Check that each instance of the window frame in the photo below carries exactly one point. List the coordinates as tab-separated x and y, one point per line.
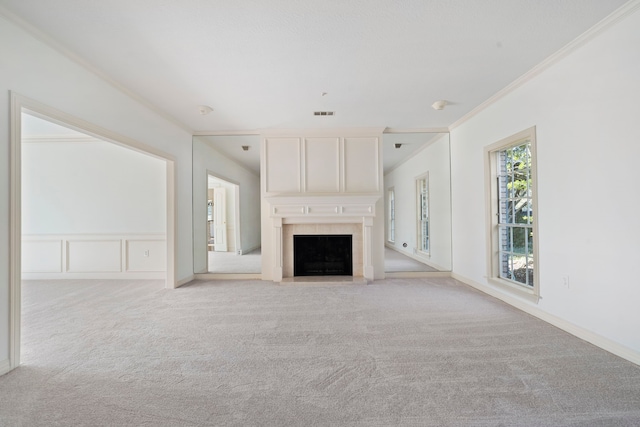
419	249
492	214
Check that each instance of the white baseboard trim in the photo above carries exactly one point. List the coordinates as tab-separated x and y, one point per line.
152	275
251	249
228	276
415	274
185	280
584	334
418	258
5	366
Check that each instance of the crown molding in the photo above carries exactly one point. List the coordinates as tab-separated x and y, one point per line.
310	132
59	139
417	130
618	15
58	47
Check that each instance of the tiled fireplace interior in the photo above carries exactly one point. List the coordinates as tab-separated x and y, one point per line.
289	230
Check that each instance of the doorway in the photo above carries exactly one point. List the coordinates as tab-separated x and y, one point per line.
22	107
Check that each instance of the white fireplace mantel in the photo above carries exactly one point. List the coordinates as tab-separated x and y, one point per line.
323	209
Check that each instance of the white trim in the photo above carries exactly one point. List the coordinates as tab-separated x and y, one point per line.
418	258
415	274
15	232
491	199
58	139
185	280
418	130
49	41
36	108
5	366
225	132
310	133
621	13
575	330
227	276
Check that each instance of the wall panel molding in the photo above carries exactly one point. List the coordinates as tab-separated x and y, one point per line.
94	256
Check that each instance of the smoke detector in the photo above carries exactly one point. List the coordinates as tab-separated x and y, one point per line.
439	105
204	109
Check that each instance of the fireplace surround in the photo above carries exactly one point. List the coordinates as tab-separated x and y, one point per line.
323	215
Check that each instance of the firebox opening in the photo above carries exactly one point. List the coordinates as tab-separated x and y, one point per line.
322	255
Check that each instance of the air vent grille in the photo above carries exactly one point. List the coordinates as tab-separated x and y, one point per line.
323	113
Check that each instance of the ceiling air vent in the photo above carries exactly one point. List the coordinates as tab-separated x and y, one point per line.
323	113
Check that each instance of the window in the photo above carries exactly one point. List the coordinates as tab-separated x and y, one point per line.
511	179
422	201
392	216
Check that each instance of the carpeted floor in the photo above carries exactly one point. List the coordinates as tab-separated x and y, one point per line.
395	262
398	352
229	262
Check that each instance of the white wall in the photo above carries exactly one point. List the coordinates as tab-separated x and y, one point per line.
32	69
434	159
208	160
88	200
585	108
91	188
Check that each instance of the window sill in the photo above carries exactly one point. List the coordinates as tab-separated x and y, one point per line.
513	289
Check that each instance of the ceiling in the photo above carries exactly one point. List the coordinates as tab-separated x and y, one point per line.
264	64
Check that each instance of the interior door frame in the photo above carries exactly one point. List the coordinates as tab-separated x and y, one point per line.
20	104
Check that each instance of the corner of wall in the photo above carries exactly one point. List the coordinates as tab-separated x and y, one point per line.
5	366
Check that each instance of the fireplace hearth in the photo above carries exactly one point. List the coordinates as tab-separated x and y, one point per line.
322	255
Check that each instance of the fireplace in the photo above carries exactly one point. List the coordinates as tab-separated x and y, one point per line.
351	215
322	255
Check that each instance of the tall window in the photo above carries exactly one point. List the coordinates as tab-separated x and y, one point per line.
512	182
422	201
392	215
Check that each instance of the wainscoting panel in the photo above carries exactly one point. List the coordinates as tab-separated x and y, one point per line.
91	256
42	256
146	255
100	256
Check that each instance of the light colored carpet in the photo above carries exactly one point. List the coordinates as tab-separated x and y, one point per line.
399	352
229	262
395	262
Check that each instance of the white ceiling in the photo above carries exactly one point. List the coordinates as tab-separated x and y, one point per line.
263	64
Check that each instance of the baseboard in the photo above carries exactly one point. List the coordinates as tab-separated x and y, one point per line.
151	275
577	331
185	280
5	366
415	274
251	249
418	258
228	276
